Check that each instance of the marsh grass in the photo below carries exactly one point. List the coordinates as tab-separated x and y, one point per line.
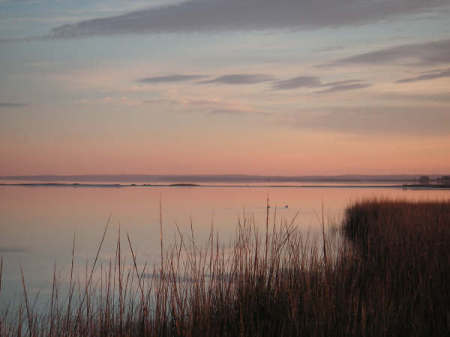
390	278
405	255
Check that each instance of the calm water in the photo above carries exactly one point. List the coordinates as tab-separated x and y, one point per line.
37	224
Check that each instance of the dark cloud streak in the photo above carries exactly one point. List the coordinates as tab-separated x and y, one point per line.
344	87
225	111
424	54
11	105
443	97
5	250
238	15
170	79
427	76
237	79
298	82
315	82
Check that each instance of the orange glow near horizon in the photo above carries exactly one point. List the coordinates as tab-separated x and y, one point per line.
278	154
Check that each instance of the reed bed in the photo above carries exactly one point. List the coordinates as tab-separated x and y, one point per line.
389	278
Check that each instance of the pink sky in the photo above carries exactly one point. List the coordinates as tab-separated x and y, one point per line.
271	95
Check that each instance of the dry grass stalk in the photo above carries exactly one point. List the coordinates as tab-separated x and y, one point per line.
390	278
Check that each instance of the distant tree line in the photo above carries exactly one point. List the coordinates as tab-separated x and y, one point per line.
426	180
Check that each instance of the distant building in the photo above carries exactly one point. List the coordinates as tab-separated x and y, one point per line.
424	180
445	180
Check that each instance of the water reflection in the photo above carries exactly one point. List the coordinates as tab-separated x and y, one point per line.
37	224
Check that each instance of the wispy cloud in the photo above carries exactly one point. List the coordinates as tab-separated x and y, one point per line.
298	82
443	97
247	79
427	76
316	82
226	111
170	78
237	111
212	107
11	105
220	15
240	79
381	119
4	250
344	87
426	54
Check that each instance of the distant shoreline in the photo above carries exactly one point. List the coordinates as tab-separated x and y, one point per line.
89	185
219	178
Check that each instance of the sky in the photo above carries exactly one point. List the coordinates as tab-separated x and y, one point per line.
287	87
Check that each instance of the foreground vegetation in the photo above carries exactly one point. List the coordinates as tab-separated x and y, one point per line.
389	278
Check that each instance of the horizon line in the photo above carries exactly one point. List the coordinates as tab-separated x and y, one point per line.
216	177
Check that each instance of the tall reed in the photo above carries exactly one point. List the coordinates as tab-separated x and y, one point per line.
389	279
